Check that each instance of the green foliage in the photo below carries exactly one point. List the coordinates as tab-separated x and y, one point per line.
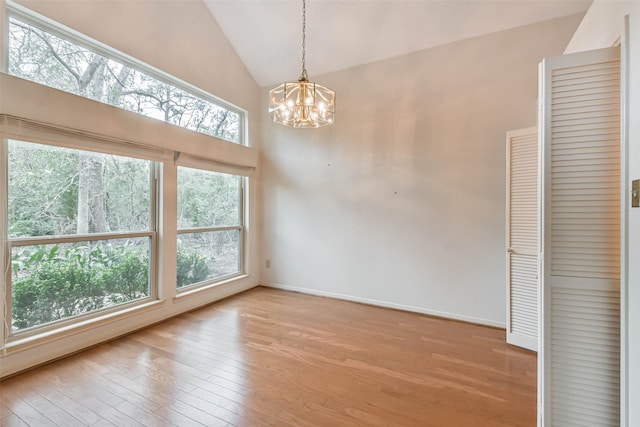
44	182
51	283
56	191
128	278
45	58
42	189
207	198
191	268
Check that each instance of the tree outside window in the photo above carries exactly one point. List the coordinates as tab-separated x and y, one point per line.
45	58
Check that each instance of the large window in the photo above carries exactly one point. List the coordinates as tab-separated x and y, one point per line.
97	203
210	230
50	58
81	228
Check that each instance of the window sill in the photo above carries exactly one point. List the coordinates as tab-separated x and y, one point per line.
204	288
22	343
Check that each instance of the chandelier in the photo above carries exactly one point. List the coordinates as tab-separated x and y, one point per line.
302	104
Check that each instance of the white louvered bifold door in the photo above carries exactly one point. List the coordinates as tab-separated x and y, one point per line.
522	238
580	131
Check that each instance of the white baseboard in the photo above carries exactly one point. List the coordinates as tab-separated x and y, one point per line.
379	303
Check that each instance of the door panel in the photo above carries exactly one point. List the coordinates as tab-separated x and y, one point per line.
580	131
522	238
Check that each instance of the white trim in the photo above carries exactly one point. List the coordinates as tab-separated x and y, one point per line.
42	133
167	229
249	235
4	244
49	335
522	341
197	162
624	222
386	304
544	370
195	290
32	108
507	240
4	36
543	117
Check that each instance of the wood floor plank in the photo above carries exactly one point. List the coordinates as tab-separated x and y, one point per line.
103	423
35	398
143	415
12	420
28	414
273	358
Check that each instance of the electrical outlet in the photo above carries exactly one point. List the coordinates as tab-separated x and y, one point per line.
267	263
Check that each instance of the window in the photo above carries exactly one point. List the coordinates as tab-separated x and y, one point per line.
72	64
210	231
86	190
81	228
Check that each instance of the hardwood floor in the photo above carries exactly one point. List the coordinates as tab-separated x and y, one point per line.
274	358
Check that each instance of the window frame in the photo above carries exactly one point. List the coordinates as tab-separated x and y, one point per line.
57	29
208	229
99	127
10	243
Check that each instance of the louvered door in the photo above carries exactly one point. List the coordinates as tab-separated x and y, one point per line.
522	238
580	130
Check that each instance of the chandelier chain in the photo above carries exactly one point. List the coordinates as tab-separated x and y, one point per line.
304	76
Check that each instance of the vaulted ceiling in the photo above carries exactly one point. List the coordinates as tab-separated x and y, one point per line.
267	34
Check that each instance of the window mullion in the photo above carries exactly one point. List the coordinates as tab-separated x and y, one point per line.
167	227
5	252
154	172
49	240
241	215
4	38
209	229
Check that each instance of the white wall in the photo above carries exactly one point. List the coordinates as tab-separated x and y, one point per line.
604	24
401	202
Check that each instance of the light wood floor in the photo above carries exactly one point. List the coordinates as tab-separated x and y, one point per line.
274	358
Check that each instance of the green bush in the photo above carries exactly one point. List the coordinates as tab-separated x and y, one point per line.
128	279
191	267
50	284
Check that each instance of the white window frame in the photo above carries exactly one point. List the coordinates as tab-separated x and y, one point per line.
207	229
42	22
152	234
